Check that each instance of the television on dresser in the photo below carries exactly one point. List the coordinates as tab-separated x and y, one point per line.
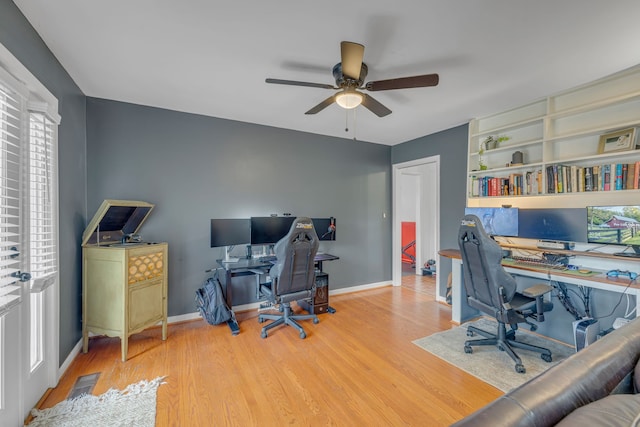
615	225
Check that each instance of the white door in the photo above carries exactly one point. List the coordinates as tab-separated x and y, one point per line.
28	243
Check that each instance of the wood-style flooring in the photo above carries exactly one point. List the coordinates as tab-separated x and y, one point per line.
357	367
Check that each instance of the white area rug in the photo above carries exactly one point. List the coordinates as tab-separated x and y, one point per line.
134	406
487	362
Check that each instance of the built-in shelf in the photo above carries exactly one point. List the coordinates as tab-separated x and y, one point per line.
561	130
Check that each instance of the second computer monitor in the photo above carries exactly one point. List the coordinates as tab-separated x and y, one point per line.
267	230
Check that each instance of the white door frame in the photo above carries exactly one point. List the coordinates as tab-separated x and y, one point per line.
414	167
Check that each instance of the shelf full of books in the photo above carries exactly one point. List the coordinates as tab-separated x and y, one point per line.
560	150
558	179
513	184
603	177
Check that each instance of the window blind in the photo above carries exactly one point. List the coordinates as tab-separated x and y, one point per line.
11	125
43	262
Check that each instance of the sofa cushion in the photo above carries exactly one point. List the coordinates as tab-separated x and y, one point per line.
612	411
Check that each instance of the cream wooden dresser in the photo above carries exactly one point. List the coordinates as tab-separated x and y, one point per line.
124	280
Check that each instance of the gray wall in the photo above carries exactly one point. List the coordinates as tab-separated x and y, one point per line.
194	168
17	35
451	145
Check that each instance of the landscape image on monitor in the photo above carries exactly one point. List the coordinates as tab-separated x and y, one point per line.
618	225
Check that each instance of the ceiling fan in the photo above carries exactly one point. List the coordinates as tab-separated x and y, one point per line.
350	75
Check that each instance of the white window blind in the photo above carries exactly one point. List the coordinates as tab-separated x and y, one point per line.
11	125
43	262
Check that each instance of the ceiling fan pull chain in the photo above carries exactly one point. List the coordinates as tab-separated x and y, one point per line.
355	123
346	120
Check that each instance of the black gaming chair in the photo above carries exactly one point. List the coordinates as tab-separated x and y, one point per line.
292	275
492	290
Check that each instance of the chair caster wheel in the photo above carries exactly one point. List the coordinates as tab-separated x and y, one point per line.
533	327
468	349
546	357
316	321
260	320
470	333
303	335
501	348
263	334
520	369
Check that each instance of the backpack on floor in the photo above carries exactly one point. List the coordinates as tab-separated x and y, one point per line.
211	303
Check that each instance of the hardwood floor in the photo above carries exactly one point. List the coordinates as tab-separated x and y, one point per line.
356	367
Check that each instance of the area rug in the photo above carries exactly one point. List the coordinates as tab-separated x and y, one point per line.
135	406
487	362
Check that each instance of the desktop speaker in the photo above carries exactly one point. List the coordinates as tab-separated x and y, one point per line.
585	332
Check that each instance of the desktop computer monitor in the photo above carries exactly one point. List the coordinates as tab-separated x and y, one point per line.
325	228
562	224
230	232
497	221
615	225
267	230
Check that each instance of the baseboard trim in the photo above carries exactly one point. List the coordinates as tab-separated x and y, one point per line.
193	316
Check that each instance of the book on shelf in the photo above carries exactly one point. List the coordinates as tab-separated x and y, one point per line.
588	178
631	181
618	179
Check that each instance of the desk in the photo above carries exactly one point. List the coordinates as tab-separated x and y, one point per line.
461	312
255	266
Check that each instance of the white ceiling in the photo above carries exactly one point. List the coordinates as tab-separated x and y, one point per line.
211	57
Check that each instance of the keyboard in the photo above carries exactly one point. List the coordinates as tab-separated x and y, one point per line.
537	262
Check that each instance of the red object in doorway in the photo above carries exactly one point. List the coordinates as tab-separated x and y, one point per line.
408	241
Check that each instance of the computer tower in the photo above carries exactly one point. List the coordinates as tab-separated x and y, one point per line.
320	302
585	332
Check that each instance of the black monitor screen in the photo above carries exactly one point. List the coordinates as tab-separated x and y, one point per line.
618	225
497	221
266	230
562	224
325	228
229	232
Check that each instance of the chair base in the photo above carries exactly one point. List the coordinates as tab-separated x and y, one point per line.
505	341
286	318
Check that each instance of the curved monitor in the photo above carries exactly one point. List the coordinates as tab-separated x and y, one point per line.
562	224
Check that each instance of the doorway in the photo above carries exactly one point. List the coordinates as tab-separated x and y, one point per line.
416	198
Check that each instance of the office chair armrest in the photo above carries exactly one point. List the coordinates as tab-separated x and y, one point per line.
536	291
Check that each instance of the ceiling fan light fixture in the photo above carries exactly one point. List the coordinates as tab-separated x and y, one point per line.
349	99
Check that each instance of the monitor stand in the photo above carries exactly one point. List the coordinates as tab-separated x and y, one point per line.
634	254
227	258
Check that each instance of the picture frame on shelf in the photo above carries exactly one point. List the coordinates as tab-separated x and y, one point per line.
622	140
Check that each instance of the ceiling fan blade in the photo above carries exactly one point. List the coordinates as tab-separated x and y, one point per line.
404	82
352	54
296	83
374	106
324	104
